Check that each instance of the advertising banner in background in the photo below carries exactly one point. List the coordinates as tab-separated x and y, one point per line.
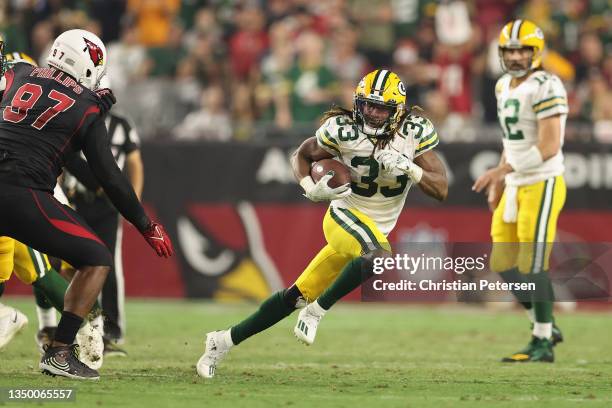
242	228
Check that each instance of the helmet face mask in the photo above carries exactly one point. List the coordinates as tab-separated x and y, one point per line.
370	115
516	66
379	103
521	35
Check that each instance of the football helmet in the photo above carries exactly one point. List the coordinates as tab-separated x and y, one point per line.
384	89
518	34
81	54
14	57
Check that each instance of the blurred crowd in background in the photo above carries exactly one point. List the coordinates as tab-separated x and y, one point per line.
251	70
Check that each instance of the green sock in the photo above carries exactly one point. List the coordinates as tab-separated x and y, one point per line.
53	287
50	291
350	278
522	296
41	299
543	297
1	288
271	311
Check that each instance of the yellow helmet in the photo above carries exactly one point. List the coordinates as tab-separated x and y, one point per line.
15	57
385	89
519	34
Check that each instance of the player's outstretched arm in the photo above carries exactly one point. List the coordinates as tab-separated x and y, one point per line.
433	182
119	190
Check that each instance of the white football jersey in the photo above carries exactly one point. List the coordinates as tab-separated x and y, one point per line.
376	193
519	109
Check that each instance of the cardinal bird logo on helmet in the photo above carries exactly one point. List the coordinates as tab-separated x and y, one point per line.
95	52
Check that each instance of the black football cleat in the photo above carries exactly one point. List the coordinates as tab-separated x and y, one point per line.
64	361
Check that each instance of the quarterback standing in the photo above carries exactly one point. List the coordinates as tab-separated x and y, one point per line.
387	148
532	109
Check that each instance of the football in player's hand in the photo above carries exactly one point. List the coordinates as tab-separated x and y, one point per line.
342	174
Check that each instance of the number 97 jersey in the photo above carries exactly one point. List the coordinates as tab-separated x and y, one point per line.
44	117
376	193
540	96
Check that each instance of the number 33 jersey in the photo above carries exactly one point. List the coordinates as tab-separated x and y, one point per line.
44	116
540	96
376	193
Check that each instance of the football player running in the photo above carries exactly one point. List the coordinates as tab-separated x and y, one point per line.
532	106
387	148
48	115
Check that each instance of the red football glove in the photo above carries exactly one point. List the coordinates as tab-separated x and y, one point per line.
159	240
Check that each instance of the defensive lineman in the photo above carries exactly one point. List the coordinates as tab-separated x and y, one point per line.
388	148
49	114
532	108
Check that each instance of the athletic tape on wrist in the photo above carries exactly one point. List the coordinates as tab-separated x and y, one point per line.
530	159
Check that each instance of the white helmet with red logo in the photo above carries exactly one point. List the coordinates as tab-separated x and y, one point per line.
80	54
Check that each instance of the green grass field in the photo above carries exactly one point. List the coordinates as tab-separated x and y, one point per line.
365	355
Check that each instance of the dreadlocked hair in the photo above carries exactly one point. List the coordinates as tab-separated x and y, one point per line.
381	143
334	111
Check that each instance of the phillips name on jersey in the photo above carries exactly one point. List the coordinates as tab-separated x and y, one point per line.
540	96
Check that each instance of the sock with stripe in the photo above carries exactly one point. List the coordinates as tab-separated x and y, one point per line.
50	290
52	287
543	302
272	310
47	317
522	296
41	299
349	279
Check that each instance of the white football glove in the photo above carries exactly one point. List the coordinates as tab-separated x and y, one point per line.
396	163
321	191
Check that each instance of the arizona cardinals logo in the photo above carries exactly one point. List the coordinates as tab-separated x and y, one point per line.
95	52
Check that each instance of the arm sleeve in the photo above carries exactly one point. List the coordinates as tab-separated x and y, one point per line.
550	99
78	167
115	184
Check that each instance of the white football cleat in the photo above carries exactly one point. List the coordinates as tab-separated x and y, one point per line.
308	320
218	343
12	321
91	345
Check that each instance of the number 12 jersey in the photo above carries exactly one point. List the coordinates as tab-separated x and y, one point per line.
540	96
